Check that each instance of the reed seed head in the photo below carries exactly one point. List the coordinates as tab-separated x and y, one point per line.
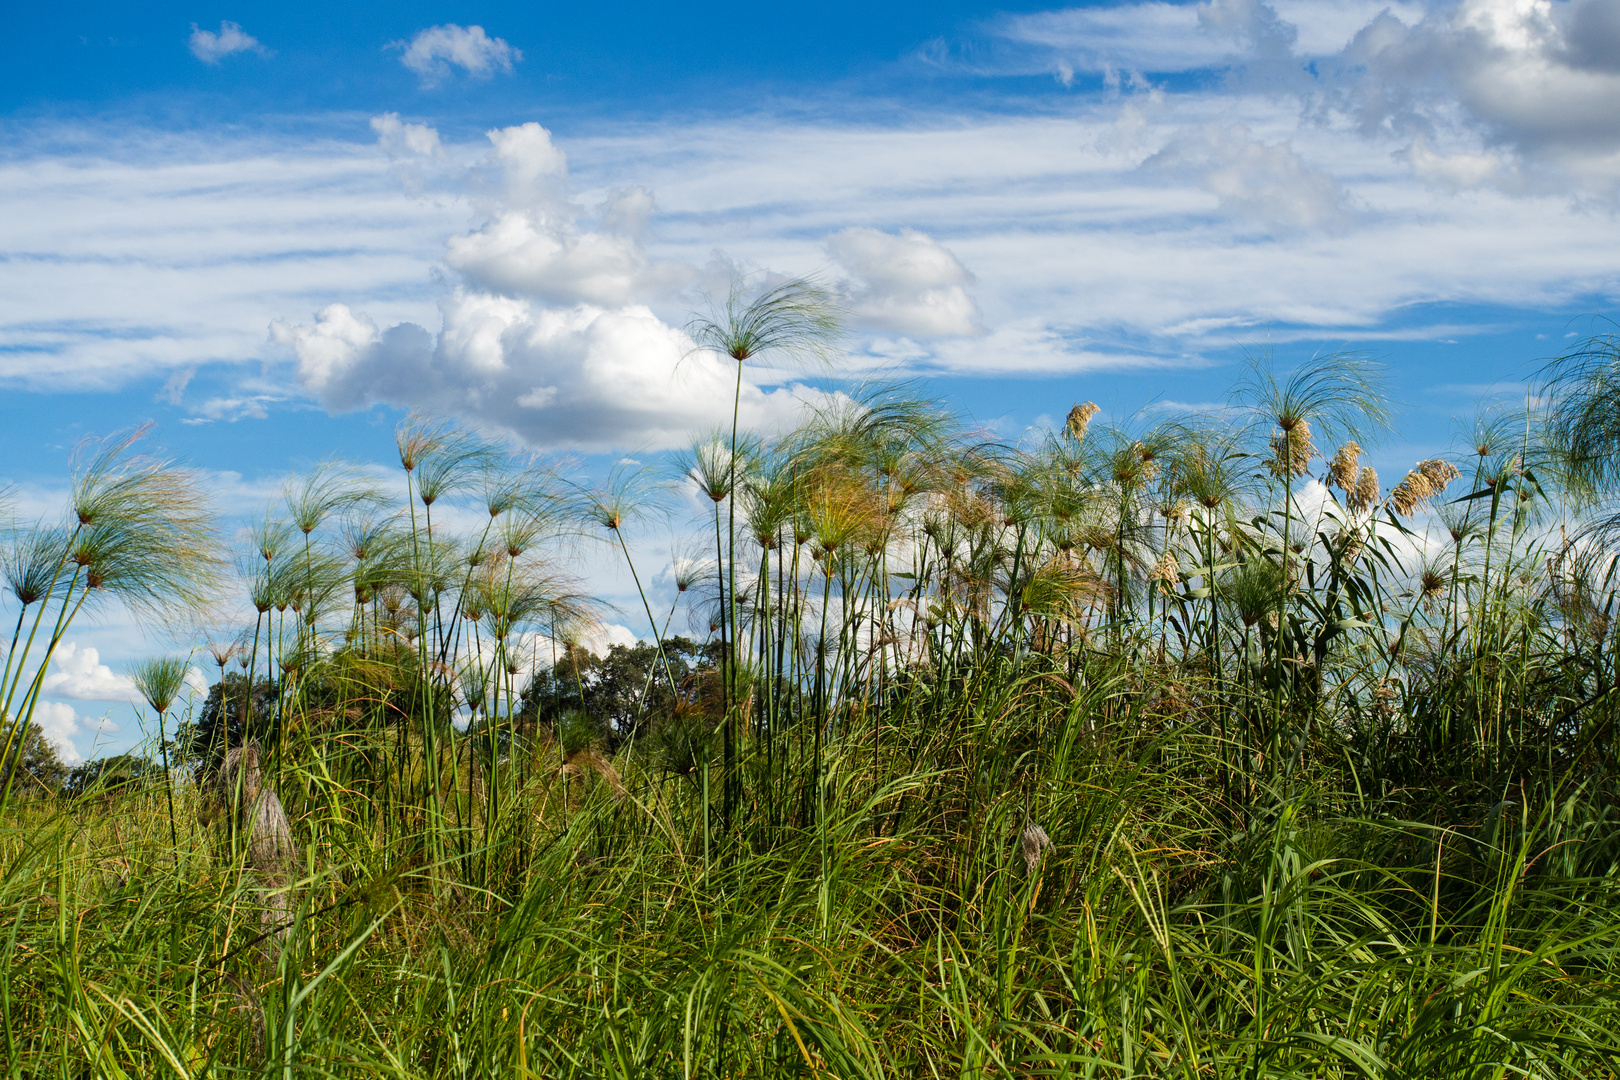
30	563
1366	491
1292	451
1166	571
1034	843
1344	470
1420	485
1079	419
1349	543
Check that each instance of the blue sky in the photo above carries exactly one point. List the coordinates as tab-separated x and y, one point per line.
271	229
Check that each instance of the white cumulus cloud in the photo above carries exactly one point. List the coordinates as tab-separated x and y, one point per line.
532	246
211	48
627	210
77	672
59	723
905	283
532	166
550	337
416	153
434	51
582	376
531	651
527	253
1538	79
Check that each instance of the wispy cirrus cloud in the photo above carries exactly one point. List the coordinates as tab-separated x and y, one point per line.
153	253
1134	224
1148	37
1124	223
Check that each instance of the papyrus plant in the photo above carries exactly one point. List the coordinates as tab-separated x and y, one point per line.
138	531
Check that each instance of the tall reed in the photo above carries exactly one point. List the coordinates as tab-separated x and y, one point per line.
1172	745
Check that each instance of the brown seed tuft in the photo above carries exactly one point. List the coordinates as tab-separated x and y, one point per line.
1292	451
1344	470
1366	492
582	761
1080	418
1149	459
1384	699
1440	473
1166	570
1423	483
1035	843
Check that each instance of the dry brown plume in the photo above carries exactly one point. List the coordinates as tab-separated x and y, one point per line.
1034	843
1080	418
1344	471
1420	485
1367	489
1292	451
581	761
1166	570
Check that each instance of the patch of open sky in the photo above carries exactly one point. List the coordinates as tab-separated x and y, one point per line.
640	55
1491	356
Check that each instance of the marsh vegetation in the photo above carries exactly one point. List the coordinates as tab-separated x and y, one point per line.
1185	747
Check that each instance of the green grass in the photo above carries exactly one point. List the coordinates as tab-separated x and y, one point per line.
1165	932
1120	756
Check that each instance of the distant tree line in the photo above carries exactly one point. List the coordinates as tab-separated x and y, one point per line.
41	772
585	700
609	700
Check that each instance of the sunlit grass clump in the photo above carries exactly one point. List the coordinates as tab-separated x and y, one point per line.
1179	747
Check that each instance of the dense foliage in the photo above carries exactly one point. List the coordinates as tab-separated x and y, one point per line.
1183	747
